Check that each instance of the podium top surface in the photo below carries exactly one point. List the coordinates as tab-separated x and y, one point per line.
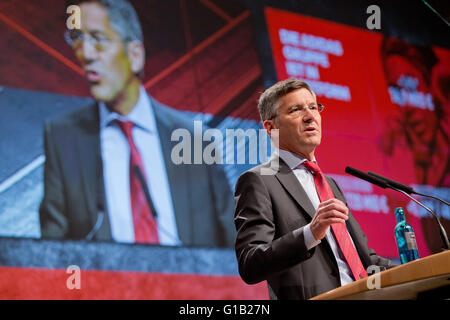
402	282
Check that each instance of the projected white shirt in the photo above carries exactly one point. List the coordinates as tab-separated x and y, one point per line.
115	153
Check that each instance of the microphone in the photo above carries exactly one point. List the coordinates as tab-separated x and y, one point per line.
96	227
101	203
144	186
366	177
393	183
386	183
405	188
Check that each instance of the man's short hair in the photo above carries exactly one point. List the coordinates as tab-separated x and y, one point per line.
122	17
269	101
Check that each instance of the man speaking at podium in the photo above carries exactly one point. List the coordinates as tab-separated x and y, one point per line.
294	228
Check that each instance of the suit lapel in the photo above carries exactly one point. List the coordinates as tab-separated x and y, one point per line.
352	228
357	238
290	182
89	157
177	175
337	194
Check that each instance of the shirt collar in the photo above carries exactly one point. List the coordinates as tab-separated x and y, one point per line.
292	160
141	115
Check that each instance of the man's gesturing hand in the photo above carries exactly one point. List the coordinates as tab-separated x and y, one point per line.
328	212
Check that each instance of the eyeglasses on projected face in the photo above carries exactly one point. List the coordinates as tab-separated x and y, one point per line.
75	38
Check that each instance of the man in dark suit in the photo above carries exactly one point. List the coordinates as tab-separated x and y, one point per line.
100	159
290	218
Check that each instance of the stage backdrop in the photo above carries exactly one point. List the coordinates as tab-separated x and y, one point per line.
386	103
386	111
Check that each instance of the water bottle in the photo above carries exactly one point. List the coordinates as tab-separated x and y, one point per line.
405	238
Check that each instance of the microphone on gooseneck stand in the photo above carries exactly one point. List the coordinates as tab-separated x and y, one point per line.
101	203
384	182
405	188
96	227
144	186
366	177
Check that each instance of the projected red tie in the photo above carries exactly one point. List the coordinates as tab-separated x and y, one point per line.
339	229
145	228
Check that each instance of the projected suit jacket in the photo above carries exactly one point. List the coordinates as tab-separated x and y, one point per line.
74	189
268	208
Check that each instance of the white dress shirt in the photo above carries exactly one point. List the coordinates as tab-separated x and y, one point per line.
306	179
115	153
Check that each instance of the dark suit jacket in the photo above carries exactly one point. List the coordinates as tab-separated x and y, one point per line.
268	208
74	188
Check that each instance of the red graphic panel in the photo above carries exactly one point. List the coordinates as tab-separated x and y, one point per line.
386	110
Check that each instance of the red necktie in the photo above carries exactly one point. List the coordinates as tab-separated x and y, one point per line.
339	229
145	228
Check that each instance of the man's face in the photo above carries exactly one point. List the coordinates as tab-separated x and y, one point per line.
107	66
300	129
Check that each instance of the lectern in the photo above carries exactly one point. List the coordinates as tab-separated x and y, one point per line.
404	282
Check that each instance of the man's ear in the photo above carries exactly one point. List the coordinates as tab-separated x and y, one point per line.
269	125
273	130
136	55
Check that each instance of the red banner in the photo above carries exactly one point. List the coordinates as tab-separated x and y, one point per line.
386	110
